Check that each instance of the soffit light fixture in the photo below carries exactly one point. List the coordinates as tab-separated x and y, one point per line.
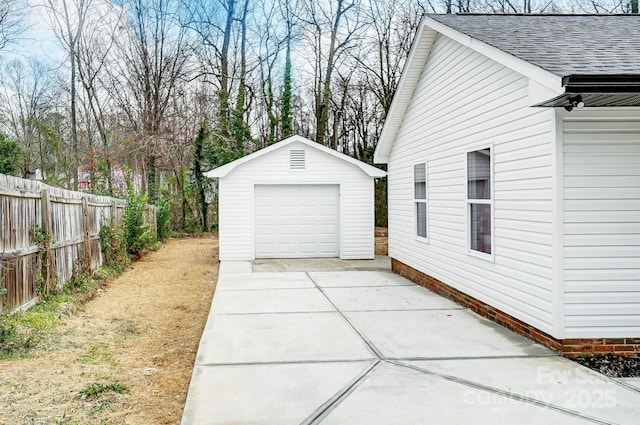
575	102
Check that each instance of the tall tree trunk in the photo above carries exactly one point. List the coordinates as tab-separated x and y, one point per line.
286	92
240	129
223	93
197	171
150	165
323	98
74	122
73	35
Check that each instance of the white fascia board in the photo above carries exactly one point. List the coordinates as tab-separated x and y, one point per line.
409	78
368	169
222	171
521	66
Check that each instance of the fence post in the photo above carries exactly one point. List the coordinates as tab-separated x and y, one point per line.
47	229
114	213
87	236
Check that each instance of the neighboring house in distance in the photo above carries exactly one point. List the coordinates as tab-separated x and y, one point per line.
118	179
513	152
296	199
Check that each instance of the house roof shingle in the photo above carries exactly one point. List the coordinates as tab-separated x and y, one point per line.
561	44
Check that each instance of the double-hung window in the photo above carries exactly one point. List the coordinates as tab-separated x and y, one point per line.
479	201
420	198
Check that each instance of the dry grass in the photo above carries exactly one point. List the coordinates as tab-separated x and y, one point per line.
135	342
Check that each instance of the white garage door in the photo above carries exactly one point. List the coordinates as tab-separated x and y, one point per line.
297	221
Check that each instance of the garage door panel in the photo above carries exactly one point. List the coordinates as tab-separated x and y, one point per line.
295	221
307	229
307	210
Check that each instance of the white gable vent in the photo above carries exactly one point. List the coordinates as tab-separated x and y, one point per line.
296	159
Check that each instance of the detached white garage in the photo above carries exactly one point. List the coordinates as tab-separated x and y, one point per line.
296	199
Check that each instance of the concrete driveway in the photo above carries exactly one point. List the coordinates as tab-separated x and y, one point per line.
333	342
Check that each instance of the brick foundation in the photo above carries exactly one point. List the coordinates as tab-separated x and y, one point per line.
568	347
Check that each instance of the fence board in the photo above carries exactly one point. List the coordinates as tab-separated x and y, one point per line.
74	220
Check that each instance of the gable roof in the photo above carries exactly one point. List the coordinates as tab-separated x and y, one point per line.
597	55
227	168
562	44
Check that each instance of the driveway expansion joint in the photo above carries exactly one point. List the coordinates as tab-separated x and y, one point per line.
418	359
502	393
327	407
288	362
391	310
279	313
622	383
368	343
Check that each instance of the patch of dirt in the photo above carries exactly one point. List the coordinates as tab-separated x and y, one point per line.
142	332
381	245
613	366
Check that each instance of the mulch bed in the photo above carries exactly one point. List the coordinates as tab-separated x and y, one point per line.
613	366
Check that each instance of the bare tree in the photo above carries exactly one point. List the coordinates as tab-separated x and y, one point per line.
241	132
11	21
341	20
268	50
153	53
608	6
26	97
394	24
67	18
286	110
213	23
94	49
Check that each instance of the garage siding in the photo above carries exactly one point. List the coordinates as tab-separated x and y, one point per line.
601	223
466	101
236	199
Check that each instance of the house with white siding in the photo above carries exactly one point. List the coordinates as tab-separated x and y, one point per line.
296	199
513	152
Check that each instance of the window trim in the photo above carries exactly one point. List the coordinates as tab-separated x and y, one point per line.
490	202
416	201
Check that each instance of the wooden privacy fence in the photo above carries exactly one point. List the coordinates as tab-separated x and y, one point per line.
48	233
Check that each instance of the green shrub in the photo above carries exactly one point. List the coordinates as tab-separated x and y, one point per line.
11	154
114	249
137	234
163	217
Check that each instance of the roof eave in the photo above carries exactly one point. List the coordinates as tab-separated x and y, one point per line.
606	90
224	170
418	55
608	83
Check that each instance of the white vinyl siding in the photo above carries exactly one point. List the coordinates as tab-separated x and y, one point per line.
601	222
465	101
236	199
